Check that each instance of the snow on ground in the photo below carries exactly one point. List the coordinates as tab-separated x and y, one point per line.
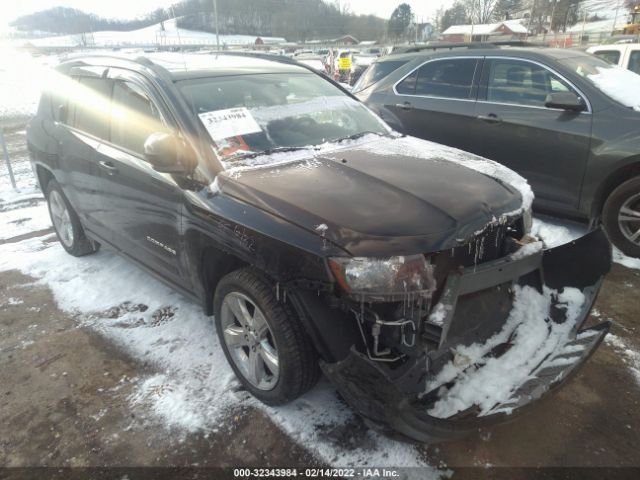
196	390
20	82
165	33
629	356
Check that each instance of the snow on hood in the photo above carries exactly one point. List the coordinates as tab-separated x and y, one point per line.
620	84
396	145
412	146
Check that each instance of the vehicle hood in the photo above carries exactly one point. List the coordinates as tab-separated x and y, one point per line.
372	200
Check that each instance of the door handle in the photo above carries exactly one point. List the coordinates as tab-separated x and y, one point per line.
109	167
491	118
404	106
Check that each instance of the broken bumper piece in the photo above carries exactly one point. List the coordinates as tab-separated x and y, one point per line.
511	332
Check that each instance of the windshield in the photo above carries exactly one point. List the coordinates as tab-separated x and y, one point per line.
617	83
253	114
376	72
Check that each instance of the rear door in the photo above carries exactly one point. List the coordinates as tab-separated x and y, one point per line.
436	100
81	128
549	147
141	207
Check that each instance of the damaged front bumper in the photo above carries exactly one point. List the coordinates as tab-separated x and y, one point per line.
510	331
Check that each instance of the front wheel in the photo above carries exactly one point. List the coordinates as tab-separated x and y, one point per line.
263	341
621	217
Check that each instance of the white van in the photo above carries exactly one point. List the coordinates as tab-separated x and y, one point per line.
626	55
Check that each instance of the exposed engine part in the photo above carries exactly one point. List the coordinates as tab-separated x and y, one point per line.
408	335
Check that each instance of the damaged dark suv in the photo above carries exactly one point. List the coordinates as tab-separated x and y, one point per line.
319	238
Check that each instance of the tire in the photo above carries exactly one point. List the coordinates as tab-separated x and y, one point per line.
622	233
297	361
66	223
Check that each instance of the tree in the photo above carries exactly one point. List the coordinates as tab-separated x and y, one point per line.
480	11
505	9
456	15
400	20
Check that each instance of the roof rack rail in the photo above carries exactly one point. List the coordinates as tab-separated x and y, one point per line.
263	56
472	45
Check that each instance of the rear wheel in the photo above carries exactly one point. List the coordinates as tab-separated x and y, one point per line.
66	223
621	217
263	341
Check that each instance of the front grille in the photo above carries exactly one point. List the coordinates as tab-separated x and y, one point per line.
484	247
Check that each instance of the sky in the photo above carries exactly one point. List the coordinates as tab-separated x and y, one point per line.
423	9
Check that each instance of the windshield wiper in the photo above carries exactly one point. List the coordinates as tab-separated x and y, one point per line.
270	151
355	136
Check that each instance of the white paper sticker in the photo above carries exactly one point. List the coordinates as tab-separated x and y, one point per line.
229	123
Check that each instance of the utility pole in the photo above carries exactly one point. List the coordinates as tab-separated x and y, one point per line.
215	15
615	19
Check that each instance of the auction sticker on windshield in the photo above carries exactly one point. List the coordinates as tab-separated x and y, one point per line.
228	123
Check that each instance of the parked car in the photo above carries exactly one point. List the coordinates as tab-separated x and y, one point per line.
317	236
624	55
565	120
314	61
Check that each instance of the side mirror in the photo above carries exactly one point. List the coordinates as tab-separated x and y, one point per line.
566	101
167	154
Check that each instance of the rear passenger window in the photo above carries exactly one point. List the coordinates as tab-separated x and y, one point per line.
133	117
447	78
92	106
634	61
611	56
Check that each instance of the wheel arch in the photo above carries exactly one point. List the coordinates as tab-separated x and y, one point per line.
214	265
44	176
630	169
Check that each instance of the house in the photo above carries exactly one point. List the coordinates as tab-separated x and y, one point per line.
507	30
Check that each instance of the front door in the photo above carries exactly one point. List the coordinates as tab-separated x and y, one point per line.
549	147
142	207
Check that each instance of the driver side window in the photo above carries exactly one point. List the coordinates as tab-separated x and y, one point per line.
522	83
134	117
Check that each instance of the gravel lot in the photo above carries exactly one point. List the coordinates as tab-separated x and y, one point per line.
109	386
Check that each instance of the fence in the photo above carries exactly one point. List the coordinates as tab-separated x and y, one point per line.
7	160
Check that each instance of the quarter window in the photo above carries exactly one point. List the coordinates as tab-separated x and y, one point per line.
522	83
133	117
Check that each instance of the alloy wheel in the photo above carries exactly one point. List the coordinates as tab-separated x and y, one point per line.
61	218
629	219
250	341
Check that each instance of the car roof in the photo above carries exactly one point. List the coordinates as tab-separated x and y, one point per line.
196	65
475	50
614	46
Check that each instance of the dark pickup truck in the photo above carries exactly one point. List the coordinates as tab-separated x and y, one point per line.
319	238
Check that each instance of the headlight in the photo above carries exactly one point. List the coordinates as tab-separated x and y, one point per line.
391	276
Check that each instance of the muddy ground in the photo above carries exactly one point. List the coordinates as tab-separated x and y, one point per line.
65	392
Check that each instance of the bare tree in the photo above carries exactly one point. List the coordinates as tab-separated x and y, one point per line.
480	11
